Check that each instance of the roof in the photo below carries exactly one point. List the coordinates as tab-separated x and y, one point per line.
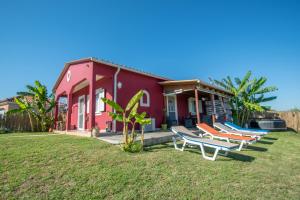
12	99
165	81
194	82
101	61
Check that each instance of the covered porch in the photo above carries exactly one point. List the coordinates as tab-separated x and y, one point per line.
189	102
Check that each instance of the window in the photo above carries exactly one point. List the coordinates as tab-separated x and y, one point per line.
100	106
87	103
2	112
192	106
145	100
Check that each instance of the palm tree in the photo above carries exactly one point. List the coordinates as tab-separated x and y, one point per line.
248	95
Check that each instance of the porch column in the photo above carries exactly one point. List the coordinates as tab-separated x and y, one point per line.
223	106
212	97
92	106
69	113
197	106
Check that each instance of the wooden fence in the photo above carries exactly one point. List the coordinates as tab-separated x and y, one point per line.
292	119
17	122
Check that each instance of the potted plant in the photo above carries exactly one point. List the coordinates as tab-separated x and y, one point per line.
95	132
164	125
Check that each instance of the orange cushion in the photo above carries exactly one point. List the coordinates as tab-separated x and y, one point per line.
213	131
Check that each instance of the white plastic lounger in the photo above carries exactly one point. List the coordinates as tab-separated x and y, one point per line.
189	138
228	130
214	134
245	130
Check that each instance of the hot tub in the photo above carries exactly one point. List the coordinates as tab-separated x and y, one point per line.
268	124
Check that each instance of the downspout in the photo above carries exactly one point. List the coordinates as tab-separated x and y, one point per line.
115	97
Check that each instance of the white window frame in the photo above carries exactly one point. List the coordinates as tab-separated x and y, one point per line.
99	111
147	103
191	101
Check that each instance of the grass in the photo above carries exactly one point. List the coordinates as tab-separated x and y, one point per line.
70	167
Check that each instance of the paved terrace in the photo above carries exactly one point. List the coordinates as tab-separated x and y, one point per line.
150	138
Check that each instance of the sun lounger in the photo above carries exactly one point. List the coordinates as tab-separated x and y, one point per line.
246	130
189	138
226	129
214	134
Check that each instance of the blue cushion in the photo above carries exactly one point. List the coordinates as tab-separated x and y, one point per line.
246	129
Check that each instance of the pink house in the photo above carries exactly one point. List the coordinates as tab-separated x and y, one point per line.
84	82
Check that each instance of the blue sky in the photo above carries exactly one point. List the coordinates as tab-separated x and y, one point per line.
177	39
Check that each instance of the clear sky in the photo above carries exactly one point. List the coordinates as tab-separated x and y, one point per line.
177	39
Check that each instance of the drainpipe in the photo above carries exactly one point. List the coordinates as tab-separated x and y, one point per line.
115	96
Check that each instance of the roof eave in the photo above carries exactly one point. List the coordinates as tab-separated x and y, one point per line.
105	63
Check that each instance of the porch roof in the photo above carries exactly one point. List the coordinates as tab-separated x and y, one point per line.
179	86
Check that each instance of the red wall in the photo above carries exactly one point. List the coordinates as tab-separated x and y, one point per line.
79	72
131	83
104	117
100	120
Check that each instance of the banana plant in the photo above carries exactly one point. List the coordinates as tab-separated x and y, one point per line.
126	115
37	103
26	107
140	119
248	95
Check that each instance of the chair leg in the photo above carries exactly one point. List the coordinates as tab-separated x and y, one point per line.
213	158
184	143
241	145
175	144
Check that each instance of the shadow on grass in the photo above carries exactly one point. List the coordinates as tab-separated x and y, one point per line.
209	151
254	148
240	157
233	155
158	147
270	138
265	142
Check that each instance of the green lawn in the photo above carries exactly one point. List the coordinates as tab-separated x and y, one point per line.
70	167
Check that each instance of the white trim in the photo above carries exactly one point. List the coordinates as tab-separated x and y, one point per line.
69	76
80	98
176	111
142	103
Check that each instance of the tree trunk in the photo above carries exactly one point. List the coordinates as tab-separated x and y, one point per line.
142	137
31	122
133	132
